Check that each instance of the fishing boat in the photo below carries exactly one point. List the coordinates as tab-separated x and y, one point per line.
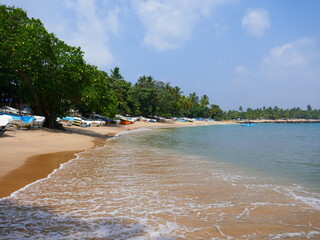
5	122
38	121
20	121
23	118
65	121
125	121
78	121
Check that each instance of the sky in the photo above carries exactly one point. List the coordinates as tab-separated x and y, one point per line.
249	53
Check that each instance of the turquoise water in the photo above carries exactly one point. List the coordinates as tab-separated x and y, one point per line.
287	152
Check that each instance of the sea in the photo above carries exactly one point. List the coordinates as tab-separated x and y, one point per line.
201	182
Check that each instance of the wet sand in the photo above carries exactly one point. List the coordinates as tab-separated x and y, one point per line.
27	156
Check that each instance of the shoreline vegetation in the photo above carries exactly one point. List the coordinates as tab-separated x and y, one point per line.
281	121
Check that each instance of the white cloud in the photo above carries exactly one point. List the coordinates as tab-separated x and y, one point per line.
289	73
85	23
93	29
240	69
294	54
292	62
169	23
296	62
256	21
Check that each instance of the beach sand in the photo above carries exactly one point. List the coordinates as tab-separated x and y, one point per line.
29	155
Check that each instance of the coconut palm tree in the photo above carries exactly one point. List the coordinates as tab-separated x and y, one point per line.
115	74
185	103
204	101
194	99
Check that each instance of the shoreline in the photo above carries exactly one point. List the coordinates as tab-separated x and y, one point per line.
282	121
28	156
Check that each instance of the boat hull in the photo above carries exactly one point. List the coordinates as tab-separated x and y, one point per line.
125	122
247	124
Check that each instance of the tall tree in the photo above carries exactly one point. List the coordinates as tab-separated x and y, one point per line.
204	101
146	94
126	103
194	99
48	71
216	112
185	102
115	74
97	96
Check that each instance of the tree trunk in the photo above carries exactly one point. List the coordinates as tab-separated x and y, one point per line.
35	96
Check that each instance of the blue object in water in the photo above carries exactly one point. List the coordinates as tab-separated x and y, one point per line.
247	124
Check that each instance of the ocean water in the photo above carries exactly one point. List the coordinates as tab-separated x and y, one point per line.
286	152
209	182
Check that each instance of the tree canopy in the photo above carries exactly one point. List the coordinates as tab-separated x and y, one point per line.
273	113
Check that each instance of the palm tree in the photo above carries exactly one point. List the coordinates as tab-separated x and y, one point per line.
145	81
194	99
185	102
175	92
115	74
204	101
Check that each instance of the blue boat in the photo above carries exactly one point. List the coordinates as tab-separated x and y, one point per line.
247	124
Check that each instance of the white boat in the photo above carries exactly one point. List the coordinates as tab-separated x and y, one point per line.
78	122
38	121
10	110
94	123
23	119
5	121
65	121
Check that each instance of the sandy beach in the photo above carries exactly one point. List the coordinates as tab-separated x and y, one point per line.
29	155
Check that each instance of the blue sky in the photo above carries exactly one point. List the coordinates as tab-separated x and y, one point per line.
249	53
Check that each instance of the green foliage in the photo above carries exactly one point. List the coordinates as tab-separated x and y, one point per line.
125	101
145	91
185	103
168	101
96	95
274	113
216	112
204	101
48	72
44	71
